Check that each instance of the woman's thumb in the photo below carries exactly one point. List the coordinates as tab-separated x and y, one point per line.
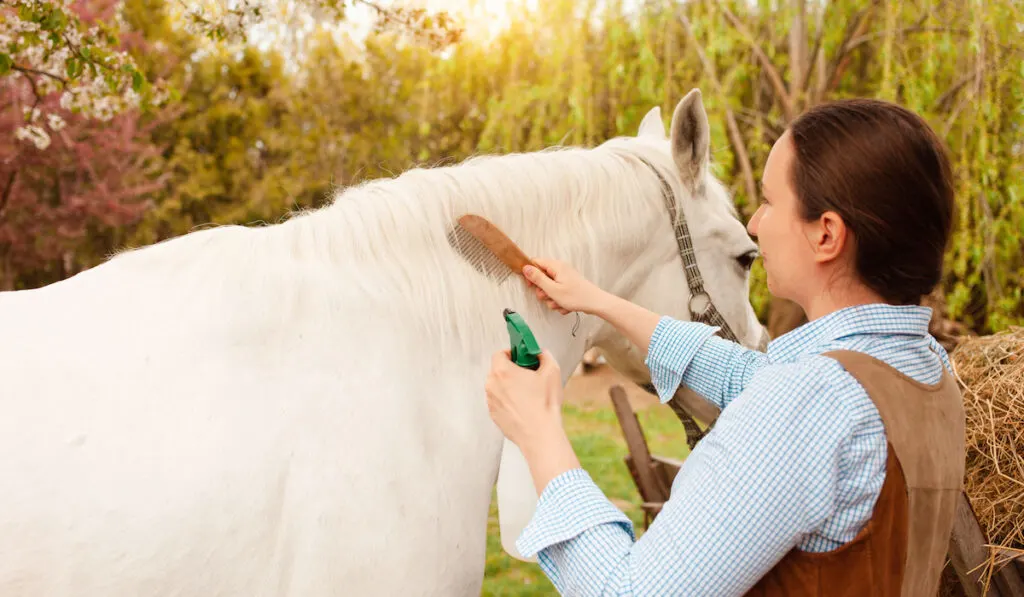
537	276
547	360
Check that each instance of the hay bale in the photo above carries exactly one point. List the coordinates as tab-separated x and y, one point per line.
990	370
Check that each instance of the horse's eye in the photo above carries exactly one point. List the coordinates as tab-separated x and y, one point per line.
747	259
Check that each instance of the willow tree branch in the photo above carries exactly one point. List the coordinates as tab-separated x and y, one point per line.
917	27
863	39
735	137
805	84
842	57
755	118
766	63
943	103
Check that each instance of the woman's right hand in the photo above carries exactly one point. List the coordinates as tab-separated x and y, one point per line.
562	288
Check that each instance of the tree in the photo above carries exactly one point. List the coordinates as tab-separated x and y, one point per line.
937	59
227	147
65	194
254	134
60	46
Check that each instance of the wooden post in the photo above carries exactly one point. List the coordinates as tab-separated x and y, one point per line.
969	557
651	487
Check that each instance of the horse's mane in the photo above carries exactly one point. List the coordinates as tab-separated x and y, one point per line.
387	239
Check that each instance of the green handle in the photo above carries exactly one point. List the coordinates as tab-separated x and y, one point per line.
525	350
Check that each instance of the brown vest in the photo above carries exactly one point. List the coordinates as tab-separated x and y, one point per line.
901	551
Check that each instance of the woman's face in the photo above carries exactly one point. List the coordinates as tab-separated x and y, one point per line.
783	237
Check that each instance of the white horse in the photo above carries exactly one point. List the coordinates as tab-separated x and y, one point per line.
298	409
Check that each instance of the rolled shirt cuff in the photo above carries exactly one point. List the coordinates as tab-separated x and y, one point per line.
569	505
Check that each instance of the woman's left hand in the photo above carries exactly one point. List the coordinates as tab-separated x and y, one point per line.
526	405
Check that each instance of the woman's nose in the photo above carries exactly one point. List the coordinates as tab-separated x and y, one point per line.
754	220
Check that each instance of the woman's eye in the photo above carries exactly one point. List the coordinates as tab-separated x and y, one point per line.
747	259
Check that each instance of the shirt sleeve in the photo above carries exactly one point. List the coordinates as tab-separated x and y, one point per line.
570	506
688	353
760	481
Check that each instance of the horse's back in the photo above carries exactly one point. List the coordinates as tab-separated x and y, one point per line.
159	441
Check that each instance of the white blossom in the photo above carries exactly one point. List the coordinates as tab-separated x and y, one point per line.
45	64
35	134
30	117
55	122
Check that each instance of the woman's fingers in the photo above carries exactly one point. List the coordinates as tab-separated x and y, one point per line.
558	285
550	266
537	277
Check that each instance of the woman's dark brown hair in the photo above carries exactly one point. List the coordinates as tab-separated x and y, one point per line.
887	174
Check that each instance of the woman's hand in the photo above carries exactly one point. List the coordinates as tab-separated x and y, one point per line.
563	289
527	406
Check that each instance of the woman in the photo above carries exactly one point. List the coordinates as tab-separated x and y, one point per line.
776	499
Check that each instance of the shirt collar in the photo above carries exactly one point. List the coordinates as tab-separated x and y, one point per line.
877	318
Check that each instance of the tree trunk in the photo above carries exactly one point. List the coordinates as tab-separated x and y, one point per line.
798	49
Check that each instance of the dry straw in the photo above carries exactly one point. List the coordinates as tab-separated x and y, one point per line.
990	370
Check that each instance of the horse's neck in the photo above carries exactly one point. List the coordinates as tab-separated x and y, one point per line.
586	207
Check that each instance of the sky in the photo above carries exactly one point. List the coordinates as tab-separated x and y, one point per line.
285	23
481	17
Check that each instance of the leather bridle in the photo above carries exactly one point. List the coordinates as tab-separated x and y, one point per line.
708	314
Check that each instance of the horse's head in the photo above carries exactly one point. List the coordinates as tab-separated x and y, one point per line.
722	249
639	216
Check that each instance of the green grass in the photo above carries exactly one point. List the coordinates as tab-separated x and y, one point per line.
597	438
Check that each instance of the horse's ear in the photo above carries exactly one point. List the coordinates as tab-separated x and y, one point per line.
691	138
652	125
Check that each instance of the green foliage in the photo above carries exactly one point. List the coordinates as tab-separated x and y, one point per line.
226	143
250	135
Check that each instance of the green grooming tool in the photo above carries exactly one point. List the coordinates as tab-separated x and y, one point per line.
525	350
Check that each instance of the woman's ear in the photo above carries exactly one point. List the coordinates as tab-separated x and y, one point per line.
830	238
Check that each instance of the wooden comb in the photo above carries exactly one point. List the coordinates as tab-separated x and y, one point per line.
487	248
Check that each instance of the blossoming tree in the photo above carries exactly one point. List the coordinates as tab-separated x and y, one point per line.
77	162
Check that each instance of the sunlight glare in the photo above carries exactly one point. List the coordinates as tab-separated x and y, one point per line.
482	18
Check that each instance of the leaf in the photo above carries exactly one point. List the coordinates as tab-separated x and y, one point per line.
74	67
54	21
137	80
5	63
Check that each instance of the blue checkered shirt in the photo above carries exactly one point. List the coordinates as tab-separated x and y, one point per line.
796	459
